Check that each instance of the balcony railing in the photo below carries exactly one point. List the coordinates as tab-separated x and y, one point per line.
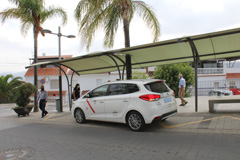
210	71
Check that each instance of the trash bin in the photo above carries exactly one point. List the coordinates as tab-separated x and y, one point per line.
58	105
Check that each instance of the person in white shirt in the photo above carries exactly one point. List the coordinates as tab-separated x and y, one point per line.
181	93
43	98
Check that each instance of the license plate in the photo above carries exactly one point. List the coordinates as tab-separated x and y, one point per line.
166	100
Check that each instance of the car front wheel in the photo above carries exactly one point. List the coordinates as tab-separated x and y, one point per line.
135	121
79	116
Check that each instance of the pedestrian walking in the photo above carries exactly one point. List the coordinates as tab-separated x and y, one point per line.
181	93
43	98
76	92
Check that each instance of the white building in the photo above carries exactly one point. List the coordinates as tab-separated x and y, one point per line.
217	76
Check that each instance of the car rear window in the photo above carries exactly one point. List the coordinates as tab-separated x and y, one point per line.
159	87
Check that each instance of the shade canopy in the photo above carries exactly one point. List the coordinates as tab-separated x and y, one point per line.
217	45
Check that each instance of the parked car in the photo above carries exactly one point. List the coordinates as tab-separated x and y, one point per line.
220	93
235	91
134	102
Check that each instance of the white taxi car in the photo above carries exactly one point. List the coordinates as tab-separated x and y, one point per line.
134	102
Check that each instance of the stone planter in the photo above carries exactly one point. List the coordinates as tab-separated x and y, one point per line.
23	110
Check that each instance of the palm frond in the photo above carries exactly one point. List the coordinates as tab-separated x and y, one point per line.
91	15
53	12
112	19
25	27
81	8
91	22
147	13
13	13
15	1
4	83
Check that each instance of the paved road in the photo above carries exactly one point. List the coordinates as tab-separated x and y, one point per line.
187	136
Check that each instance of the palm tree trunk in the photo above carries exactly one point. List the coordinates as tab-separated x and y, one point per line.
127	44
35	33
125	16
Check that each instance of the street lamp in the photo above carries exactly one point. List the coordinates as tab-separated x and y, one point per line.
59	34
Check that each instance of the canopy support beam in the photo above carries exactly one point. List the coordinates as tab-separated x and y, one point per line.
70	103
123	64
119	73
69	96
196	61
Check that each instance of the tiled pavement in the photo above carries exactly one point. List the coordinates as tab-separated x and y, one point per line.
188	135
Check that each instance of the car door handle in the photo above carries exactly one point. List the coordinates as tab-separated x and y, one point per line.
125	100
101	102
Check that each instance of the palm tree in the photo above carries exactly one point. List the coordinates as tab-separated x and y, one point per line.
94	14
32	13
7	84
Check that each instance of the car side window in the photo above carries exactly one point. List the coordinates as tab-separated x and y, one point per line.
131	88
116	89
98	92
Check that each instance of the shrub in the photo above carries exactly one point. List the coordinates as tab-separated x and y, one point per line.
170	74
22	94
139	75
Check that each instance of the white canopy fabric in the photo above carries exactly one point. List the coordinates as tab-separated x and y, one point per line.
216	45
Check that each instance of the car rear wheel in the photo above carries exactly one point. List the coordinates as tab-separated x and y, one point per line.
79	116
135	121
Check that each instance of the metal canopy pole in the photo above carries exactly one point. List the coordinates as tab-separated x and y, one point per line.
69	96
60	74
196	60
116	65
71	89
123	64
196	85
123	71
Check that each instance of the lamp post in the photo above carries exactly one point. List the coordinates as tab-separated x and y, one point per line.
59	34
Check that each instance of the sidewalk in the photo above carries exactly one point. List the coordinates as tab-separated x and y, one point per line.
203	106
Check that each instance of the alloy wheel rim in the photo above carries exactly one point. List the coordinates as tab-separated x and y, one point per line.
79	116
134	121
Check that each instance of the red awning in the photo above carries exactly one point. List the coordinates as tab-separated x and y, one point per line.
232	75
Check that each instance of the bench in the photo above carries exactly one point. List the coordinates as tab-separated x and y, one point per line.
225	99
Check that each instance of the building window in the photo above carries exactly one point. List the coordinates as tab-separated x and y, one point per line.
232	84
216	85
54	84
210	65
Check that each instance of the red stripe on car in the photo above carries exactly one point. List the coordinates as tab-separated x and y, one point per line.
90	106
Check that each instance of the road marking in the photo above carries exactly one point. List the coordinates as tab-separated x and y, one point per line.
49	116
189	123
233	117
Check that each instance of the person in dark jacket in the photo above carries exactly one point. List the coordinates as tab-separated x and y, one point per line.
76	92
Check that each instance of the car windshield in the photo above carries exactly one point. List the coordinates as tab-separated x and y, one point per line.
158	87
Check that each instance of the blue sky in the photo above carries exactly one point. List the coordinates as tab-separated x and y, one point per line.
177	18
